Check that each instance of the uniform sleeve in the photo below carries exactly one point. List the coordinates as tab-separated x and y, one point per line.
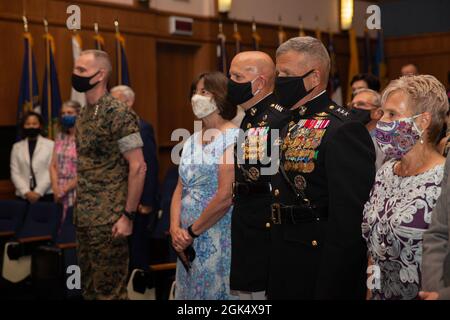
435	241
350	168
125	130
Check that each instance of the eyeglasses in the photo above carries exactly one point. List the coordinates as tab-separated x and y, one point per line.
362	105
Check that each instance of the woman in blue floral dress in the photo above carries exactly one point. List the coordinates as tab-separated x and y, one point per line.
202	202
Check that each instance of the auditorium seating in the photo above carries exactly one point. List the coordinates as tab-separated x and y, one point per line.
49	271
36	239
39	227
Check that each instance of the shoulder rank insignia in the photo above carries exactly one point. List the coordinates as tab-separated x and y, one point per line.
322	114
342	111
339	110
277	107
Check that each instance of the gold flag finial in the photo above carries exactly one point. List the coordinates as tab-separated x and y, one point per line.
116	25
45	25
253	24
25	23
96	28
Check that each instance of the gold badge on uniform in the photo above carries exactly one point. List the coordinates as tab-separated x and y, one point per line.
253	173
300	182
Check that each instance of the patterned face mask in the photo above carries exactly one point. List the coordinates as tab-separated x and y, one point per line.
398	137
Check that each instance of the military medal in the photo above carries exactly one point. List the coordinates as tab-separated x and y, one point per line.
253	173
300	182
309	167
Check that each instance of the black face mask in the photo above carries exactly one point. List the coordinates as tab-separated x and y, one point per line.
81	84
360	115
290	90
31	132
238	93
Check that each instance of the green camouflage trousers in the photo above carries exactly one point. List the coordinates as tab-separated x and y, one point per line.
103	262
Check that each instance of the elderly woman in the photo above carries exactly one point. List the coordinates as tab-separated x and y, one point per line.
406	187
63	168
202	201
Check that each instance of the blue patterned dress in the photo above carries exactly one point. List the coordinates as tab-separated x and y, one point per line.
209	277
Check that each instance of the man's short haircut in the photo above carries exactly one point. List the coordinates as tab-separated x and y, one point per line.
376	97
125	90
310	46
102	57
371	80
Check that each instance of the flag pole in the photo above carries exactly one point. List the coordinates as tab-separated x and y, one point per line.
27	35
118	52
49	81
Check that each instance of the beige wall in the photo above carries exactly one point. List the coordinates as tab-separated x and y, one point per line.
267	11
193	7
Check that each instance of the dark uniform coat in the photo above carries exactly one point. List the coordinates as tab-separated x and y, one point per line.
251	215
330	160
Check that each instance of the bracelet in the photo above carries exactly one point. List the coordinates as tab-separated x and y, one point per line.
191	233
129	215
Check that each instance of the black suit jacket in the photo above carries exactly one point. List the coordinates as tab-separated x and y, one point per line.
149	194
250	236
325	259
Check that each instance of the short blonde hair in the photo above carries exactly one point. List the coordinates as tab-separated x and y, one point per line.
425	94
101	57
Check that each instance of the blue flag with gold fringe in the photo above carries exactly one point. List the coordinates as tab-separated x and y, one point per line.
123	77
51	97
29	88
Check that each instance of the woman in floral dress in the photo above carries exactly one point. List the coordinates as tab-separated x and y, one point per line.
202	202
63	168
406	187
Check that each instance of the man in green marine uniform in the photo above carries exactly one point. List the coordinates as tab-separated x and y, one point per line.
111	173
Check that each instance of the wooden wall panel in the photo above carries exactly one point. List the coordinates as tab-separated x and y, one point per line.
430	52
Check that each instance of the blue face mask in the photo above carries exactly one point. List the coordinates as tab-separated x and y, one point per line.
68	121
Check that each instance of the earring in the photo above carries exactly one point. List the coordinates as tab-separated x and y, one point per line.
421	140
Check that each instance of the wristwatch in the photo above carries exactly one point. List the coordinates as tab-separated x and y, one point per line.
191	233
129	215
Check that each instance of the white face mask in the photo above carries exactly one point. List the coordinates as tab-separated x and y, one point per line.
202	106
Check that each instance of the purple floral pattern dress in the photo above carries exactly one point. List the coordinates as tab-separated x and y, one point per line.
397	213
66	159
209	277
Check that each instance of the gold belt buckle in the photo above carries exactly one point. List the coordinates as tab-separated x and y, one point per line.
276	213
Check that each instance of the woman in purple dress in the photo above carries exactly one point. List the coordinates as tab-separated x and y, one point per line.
406	187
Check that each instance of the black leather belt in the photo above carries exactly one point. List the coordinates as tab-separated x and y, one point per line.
295	214
246	189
